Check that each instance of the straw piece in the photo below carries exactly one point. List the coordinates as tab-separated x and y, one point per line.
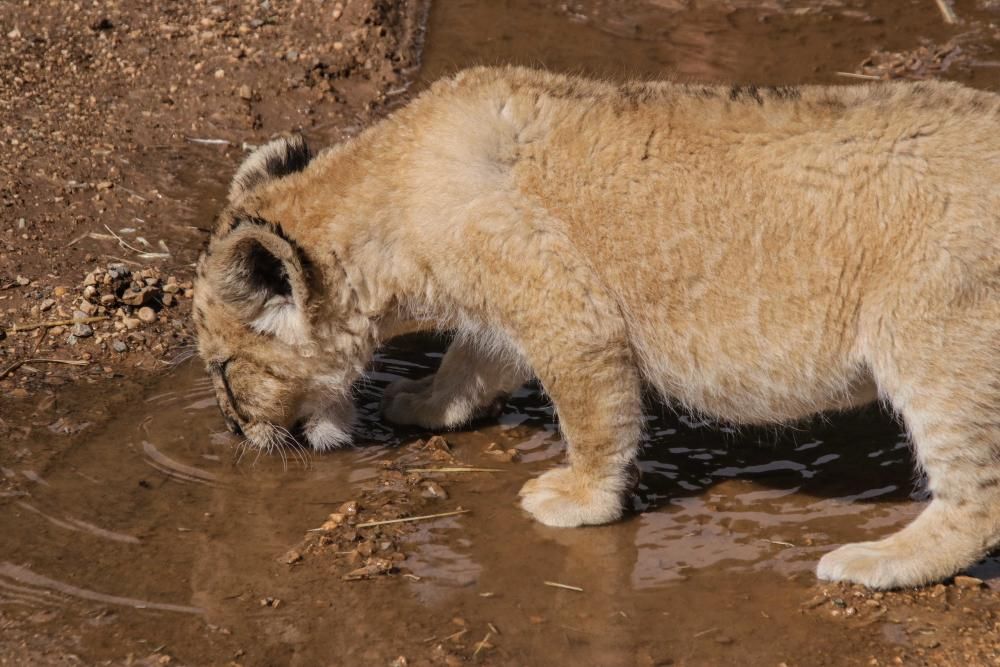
56	323
556	584
425	517
947	11
855	75
456	469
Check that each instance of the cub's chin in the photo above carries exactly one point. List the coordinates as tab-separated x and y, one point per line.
323	434
331	427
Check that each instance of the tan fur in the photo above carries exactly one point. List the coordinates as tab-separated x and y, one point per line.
757	254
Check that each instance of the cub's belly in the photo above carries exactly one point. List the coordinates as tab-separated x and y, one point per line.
766	386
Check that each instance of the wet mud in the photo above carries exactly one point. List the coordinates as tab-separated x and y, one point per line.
146	536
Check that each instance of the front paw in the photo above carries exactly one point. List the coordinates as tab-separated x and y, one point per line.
563	498
882	565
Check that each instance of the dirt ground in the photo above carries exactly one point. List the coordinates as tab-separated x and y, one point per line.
132	533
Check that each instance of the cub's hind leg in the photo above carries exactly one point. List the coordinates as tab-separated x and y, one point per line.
469	383
943	376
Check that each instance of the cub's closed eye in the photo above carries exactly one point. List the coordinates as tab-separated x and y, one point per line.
219	366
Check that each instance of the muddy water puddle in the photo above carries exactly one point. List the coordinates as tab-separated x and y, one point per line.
156	531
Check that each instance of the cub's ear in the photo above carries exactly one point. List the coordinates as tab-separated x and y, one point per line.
278	158
264	277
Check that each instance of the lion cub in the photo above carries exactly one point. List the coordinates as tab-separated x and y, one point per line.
758	254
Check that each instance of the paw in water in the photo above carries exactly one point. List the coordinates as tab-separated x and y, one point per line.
563	498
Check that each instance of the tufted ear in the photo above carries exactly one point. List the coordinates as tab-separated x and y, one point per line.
264	277
275	159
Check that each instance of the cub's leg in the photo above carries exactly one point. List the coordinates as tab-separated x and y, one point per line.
596	394
469	383
531	284
943	376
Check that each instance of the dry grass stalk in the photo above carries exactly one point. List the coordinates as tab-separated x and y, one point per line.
456	469
424	517
56	323
480	645
17	364
556	584
947	11
854	75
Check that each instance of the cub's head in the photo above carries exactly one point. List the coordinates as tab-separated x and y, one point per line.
278	325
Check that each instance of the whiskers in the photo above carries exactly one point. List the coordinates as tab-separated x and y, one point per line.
273	439
184	353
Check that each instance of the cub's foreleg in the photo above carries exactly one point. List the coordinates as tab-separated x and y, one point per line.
470	383
528	281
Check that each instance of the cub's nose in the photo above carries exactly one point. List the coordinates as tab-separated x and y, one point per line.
233	426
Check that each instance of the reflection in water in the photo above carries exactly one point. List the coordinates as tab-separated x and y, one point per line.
709	498
29	578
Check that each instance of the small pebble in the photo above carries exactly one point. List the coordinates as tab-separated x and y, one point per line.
963	581
146	314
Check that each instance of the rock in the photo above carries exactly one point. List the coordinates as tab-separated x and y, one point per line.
140	297
333	521
434	490
500	454
86	308
91	279
81	330
119	346
46	304
132	323
104	185
57	331
60	291
350	508
963	581
374	567
220	74
89	292
147	315
167	300
245	92
291	557
22	281
108	299
438	443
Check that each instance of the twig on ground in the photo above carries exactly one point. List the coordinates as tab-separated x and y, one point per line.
457	469
132	193
855	75
480	645
123	260
556	584
55	323
424	517
17	364
122	242
784	544
209	142
947	11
